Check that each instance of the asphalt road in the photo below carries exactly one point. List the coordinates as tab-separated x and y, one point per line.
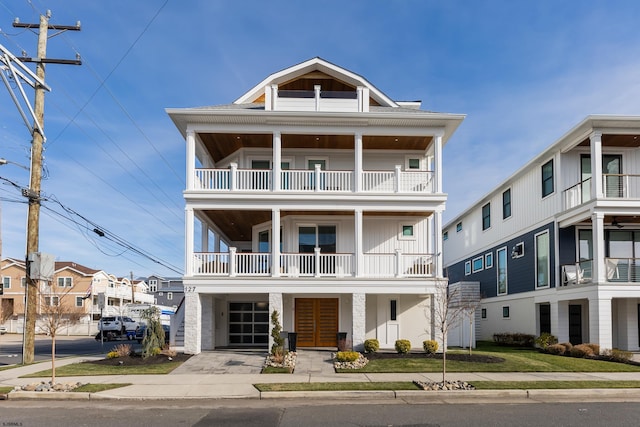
288	413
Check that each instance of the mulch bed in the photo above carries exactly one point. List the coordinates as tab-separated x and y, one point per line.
478	358
138	360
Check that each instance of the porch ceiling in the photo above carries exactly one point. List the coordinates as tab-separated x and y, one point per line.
222	145
608	140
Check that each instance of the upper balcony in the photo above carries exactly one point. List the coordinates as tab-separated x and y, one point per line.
319	100
615	186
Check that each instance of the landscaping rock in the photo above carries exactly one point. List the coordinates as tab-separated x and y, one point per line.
48	387
361	362
446	385
289	361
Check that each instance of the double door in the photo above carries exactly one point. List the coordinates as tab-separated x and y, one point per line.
316	322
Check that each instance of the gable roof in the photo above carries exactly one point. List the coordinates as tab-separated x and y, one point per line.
323	66
62	265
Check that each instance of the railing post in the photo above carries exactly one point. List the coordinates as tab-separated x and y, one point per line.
317	173
233	170
232	262
316	259
397	183
399	263
316	90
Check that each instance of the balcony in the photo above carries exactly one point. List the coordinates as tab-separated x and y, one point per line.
618	186
317	100
312	265
394	181
617	270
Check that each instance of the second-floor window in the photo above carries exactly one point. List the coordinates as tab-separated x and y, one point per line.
52	301
65	282
153	285
506	204
547	178
169	296
486	216
6	282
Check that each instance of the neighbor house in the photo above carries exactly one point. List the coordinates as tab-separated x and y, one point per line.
315	195
554	246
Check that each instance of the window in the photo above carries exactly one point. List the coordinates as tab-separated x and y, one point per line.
79	301
506	204
459	227
478	264
547	178
65	282
467	268
160	294
52	301
518	250
169	296
505	312
413	163
406	232
153	285
23	282
542	259
484	313
488	260
486	216
6	282
445	235
393	309
501	272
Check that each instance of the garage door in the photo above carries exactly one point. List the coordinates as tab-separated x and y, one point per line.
249	324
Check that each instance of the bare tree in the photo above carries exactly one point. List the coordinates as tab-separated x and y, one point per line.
446	313
57	311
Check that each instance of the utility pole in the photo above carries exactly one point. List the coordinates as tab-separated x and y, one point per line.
133	289
33	194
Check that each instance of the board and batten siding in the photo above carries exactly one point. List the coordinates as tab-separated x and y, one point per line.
383	235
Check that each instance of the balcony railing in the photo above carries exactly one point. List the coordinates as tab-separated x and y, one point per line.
312	265
396	181
613	186
617	270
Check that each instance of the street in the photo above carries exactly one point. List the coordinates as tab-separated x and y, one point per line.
293	413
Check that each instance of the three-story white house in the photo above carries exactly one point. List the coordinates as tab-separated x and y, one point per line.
317	196
556	247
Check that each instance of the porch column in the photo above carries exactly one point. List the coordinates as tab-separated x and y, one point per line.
191	159
208	325
599	270
359	257
359	309
553	313
277	161
437	244
596	164
189	218
562	331
437	154
275	242
600	322
357	172
275	303
192	323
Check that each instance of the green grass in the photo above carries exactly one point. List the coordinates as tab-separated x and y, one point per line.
516	360
5	390
87	368
94	388
346	386
275	370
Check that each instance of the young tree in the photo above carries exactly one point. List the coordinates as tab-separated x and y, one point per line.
154	334
57	311
446	314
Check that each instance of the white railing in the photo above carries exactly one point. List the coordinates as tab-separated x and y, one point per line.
617	186
577	194
213	179
252	179
378	181
315	264
623	269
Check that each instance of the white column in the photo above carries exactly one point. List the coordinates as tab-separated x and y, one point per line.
267	98
600	322
437	244
357	172
562	331
358	255
553	314
596	164
276	167
191	159
316	90
233	176
275	242
189	219
208	322
599	269
232	262
359	309
192	323
437	154
275	304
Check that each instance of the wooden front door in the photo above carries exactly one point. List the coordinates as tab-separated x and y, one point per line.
317	322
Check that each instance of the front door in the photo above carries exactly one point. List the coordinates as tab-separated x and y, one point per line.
316	322
575	324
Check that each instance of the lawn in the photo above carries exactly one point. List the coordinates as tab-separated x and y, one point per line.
88	368
515	360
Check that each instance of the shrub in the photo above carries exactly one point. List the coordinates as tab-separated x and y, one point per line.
546	339
371	345
347	356
594	347
557	349
278	341
430	346
615	355
122	350
581	350
567	346
514	339
403	346
112	355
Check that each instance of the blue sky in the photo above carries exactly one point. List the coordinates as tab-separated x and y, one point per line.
524	73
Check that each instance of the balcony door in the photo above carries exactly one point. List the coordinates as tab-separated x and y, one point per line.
611	170
311	237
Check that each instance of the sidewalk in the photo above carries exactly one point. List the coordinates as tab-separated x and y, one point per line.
231	374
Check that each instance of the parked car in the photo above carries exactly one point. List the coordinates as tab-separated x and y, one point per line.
3	330
120	324
142	330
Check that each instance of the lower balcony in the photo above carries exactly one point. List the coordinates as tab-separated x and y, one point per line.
617	270
312	265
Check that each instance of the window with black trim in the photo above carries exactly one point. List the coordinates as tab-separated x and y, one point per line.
445	235
458	227
393	309
467	268
486	216
506	204
483	313
488	260
505	312
547	178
